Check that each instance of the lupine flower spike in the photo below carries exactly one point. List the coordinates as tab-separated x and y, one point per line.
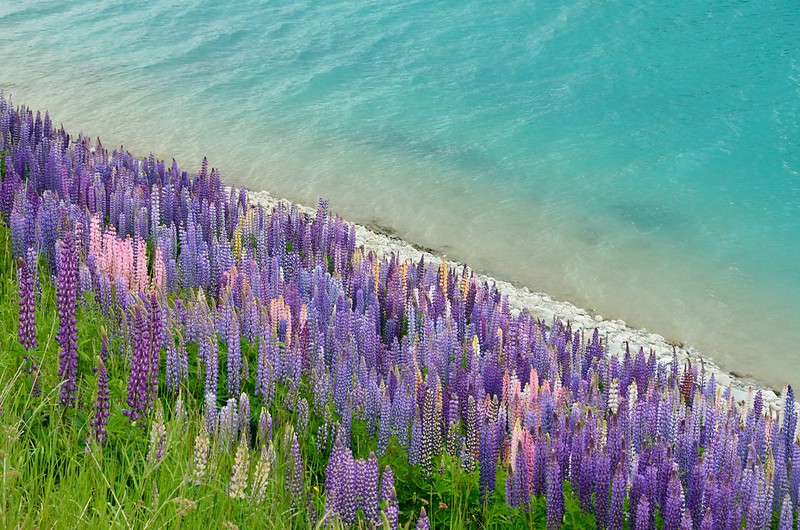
102	406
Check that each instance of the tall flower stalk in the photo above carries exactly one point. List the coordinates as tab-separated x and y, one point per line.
66	300
27	300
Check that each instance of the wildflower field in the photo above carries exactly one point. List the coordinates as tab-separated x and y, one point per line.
174	356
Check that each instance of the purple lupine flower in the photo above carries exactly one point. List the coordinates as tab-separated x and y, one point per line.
369	489
615	513
789	422
173	374
264	427
103	344
102	406
686	521
431	433
785	521
66	299
234	356
340	483
385	425
423	523
674	504
27	300
302	412
643	514
555	493
294	474
212	362
138	387
243	418
471	447
156	327
389	498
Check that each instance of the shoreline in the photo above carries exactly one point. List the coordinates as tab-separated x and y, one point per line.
615	333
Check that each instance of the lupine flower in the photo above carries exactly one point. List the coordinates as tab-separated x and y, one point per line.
294	473
66	299
158	437
180	416
258	489
202	448
264	427
241	467
227	429
785	521
555	493
368	481
102	406
234	357
615	512
422	522
138	381
389	498
340	484
243	418
643	514
27	300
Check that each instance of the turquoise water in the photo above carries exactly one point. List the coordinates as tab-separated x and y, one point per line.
639	159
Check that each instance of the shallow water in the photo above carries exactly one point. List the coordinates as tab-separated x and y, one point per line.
638	159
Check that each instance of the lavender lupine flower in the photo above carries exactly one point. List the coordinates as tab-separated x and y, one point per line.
264	427
243	419
238	484
431	433
369	489
102	406
785	521
389	498
66	299
789	422
615	513
555	493
177	362
234	357
294	473
672	511
138	386
340	484
643	514
517	480
27	300
686	521
423	523
156	326
103	344
471	448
